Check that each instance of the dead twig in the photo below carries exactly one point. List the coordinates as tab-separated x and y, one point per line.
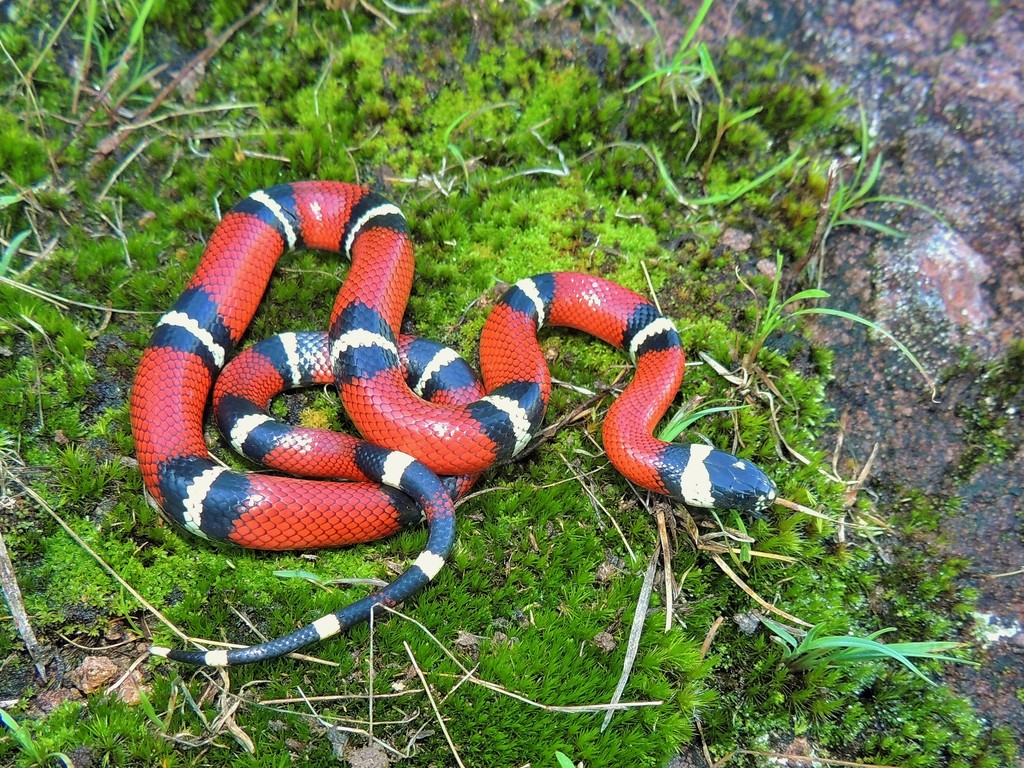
12	594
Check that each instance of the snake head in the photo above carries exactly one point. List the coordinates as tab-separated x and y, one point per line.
706	477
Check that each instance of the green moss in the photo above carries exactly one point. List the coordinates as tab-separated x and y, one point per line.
462	117
22	154
992	433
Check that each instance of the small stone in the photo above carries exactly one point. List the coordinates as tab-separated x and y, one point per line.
768	268
604	573
130	691
468	643
369	757
747	622
736	240
93	673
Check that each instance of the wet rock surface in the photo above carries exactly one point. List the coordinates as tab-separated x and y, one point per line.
942	84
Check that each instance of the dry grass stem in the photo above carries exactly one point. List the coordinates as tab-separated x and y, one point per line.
94	648
433	705
131	590
110	143
469	675
598	506
338	728
650	286
756	597
816	248
635	631
666	551
1004	574
369	676
99	560
328	698
126	674
710	636
139	148
62	303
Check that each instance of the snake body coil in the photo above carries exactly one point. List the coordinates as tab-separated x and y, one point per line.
460	430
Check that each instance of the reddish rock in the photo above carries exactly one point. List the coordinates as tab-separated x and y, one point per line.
942	84
94	673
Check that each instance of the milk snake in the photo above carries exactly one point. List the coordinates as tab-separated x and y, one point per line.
375	371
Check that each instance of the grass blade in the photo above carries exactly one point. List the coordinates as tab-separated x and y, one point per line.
873	225
682	419
747	186
878	329
11	249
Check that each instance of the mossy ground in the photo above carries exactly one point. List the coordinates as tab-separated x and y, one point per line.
510	138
